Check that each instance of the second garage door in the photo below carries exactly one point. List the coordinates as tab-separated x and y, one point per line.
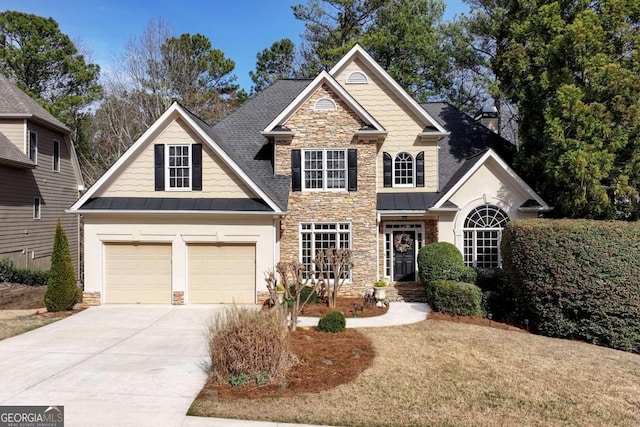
221	274
137	273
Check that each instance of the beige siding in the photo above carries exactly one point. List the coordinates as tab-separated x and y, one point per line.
137	179
14	130
30	240
402	125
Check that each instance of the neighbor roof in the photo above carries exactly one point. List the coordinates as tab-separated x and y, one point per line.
15	103
10	154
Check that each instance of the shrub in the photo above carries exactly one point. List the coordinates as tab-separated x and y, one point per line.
305	292
577	279
12	274
245	341
443	261
457	298
62	291
333	321
498	295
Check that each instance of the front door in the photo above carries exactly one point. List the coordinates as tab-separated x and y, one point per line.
404	255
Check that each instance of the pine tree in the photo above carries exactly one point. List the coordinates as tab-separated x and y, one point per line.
62	291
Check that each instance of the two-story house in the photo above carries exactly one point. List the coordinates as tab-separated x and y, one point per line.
193	213
40	180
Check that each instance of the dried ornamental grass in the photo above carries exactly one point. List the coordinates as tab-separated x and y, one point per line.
243	340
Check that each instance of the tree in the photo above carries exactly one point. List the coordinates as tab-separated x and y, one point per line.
276	62
44	63
572	69
62	292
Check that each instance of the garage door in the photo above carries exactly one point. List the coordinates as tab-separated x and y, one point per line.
137	273
221	274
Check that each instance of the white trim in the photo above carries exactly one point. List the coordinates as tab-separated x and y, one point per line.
167	177
413	171
404	226
145	139
171	212
348	80
358	51
324	169
490	154
323	77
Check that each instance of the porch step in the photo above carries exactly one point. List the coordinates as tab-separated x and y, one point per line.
407	291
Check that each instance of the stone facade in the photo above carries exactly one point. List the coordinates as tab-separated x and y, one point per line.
178	298
91	298
332	129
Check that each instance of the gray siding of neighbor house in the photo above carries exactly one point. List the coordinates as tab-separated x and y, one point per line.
25	240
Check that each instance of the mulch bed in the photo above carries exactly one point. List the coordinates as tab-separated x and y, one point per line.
474	320
325	361
350	307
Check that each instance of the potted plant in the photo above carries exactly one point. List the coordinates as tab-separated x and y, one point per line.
280	292
380	289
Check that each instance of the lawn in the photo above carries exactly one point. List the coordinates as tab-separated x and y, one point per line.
17	322
446	373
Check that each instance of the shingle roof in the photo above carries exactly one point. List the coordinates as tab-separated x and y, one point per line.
239	135
10	154
467	139
176	204
15	103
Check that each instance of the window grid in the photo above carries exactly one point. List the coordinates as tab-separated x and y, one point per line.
403	169
325	169
316	236
482	234
56	156
179	167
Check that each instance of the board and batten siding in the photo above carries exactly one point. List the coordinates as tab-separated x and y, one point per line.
402	125
23	239
137	179
14	130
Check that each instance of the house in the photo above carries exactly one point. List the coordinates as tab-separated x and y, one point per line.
40	180
193	213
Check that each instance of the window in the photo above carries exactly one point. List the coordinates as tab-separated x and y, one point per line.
36	208
325	169
316	236
33	146
178	164
482	233
403	170
325	104
56	156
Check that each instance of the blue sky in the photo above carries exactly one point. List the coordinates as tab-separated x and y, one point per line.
240	28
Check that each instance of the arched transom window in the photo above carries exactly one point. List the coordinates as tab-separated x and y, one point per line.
482	234
403	169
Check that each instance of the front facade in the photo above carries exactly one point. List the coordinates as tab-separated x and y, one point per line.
198	214
41	179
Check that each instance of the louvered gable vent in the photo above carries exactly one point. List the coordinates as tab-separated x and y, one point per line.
357	77
325	104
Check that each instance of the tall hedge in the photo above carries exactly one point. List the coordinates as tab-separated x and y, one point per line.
577	279
62	290
443	261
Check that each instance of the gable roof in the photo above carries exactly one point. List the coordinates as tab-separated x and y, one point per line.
14	103
324	78
12	156
199	127
431	125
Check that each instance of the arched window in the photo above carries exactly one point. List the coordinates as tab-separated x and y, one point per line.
325	104
403	170
482	234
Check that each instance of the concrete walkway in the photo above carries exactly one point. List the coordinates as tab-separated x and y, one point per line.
130	365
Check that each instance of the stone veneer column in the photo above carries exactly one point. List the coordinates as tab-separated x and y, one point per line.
178	298
90	299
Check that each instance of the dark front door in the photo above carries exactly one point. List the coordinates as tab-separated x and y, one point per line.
404	256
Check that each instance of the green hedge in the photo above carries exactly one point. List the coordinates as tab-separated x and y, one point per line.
577	279
443	261
12	274
457	298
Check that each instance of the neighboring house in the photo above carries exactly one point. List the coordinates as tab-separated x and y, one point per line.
197	214
40	180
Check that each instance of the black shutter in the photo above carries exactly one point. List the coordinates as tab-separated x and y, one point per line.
296	171
159	166
420	169
196	162
386	162
352	164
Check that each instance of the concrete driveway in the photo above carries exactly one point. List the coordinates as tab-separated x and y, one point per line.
116	365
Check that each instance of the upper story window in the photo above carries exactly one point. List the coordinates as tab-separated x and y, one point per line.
403	170
33	146
325	104
357	77
325	169
37	210
56	156
178	167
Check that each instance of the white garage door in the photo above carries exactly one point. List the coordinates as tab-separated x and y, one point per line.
137	273
222	274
